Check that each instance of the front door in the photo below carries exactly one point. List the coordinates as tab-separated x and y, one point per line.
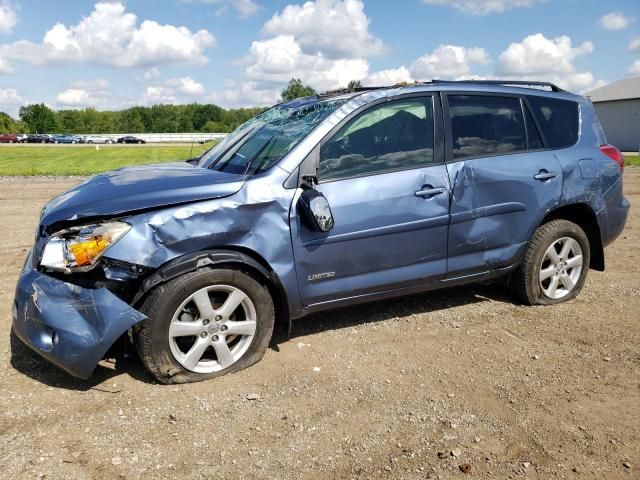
382	172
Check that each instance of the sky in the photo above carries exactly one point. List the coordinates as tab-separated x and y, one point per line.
237	53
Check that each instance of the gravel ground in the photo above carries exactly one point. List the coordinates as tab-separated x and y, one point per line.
460	383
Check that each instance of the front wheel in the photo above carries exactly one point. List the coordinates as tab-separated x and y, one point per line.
204	324
555	265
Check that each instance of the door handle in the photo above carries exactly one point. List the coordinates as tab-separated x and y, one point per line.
429	192
544	175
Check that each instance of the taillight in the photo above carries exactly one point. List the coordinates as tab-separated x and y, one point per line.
613	153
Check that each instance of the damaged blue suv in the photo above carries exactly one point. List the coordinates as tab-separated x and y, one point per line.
321	202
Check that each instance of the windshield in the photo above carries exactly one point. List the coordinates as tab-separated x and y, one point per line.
263	141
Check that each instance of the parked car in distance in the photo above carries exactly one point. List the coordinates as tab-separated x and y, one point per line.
64	138
99	139
37	138
317	203
8	138
21	137
130	139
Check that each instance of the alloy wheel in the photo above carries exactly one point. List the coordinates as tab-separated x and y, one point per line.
561	268
212	329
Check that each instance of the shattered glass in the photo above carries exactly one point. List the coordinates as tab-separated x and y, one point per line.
264	140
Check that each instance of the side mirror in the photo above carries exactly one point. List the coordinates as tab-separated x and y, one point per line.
315	210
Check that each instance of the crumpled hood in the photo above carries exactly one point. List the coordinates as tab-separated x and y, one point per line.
137	188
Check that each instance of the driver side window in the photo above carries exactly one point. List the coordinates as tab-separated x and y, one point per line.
396	135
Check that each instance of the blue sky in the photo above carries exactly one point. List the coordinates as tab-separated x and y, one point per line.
114	54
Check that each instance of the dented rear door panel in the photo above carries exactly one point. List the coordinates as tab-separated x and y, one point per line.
496	204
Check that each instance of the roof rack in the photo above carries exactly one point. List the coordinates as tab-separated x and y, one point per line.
343	91
524	83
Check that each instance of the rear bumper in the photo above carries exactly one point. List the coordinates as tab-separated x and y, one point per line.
615	220
70	326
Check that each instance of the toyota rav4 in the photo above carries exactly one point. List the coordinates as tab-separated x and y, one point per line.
317	203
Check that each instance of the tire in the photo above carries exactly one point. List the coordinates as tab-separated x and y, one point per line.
164	354
532	283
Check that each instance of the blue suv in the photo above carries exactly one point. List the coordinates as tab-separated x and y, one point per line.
317	203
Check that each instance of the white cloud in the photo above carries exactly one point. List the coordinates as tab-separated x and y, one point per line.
445	62
541	58
615	21
244	8
187	86
279	59
535	58
634	45
390	76
151	74
10	100
634	68
8	17
174	90
325	43
5	67
159	94
537	54
483	7
448	61
110	36
98	94
336	28
81	94
247	94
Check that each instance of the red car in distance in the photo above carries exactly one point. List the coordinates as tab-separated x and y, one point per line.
8	138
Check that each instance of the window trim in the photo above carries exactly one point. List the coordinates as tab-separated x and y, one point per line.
438	134
527	105
446	118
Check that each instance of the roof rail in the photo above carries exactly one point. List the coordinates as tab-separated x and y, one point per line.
524	83
342	91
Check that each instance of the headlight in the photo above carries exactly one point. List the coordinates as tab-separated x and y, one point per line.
78	249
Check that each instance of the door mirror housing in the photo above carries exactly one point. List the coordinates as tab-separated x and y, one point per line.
315	210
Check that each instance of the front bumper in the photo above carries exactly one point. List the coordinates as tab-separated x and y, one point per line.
71	326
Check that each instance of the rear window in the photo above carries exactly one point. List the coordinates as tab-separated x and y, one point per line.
558	120
484	125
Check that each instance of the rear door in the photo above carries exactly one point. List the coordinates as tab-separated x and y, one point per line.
503	180
383	174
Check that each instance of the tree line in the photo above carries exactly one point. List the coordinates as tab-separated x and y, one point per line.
206	118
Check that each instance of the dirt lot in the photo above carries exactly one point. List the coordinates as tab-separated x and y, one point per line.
420	387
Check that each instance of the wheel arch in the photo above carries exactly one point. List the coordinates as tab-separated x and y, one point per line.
233	257
582	215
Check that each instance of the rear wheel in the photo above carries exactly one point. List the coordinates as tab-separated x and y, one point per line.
555	265
203	325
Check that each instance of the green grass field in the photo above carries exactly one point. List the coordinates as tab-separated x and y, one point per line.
632	160
86	160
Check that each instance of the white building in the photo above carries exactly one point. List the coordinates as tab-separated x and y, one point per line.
618	107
